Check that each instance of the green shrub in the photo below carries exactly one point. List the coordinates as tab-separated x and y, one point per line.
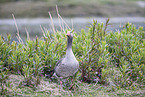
91	49
3	78
128	53
105	58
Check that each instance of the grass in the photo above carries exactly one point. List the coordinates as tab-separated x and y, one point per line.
45	88
48	88
105	8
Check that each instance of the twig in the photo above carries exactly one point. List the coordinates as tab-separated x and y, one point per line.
28	38
61	18
18	35
45	30
52	24
42	31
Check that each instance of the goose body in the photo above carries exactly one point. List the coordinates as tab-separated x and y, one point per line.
68	65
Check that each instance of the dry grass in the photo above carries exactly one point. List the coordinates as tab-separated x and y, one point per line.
47	88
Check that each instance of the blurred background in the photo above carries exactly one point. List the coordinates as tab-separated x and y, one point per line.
78	14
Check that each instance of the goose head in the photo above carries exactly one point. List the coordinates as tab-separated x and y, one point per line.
69	34
69	39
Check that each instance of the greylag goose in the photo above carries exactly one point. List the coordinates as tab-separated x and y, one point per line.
68	65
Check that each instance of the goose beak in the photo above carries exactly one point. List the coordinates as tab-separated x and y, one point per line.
68	33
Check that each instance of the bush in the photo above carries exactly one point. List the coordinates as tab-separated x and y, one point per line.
105	58
127	49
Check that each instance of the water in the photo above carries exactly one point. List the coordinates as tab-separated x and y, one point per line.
33	25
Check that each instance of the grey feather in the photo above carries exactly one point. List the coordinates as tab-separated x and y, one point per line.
68	65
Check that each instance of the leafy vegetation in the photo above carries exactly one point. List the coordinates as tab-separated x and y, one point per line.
115	60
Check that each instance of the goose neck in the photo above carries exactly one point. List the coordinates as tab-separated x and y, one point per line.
69	43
